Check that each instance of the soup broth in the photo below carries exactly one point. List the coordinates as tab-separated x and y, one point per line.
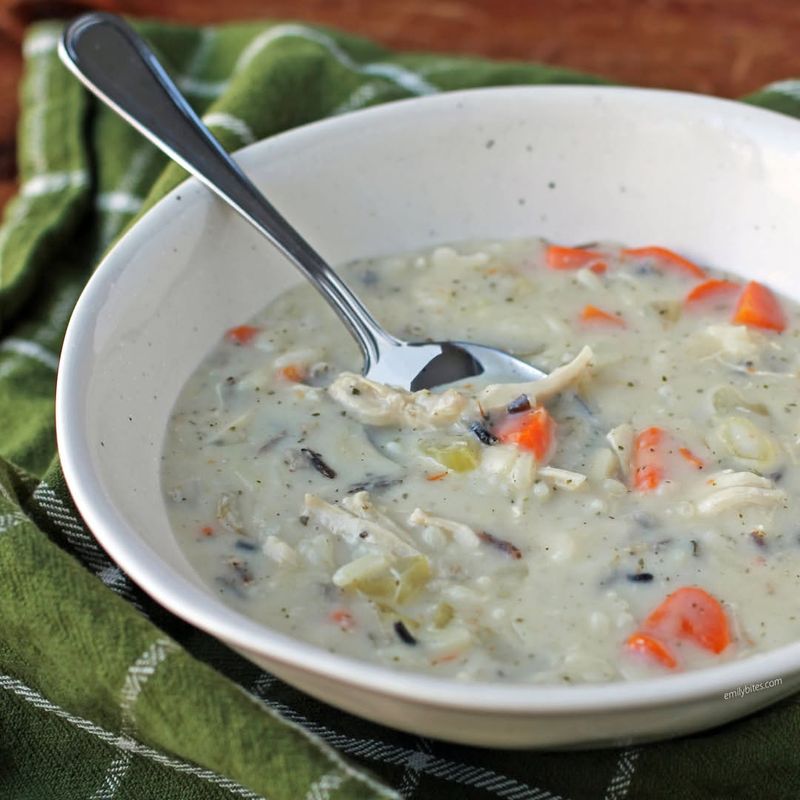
632	514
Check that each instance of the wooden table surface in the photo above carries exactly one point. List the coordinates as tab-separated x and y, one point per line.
723	47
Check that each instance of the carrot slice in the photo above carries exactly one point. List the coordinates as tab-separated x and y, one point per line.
558	257
207	530
344	619
242	334
759	307
692	613
665	257
592	313
293	373
691	457
445	659
436	476
689	613
533	430
646	644
648	469
711	289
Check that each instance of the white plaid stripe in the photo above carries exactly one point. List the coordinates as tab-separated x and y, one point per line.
435	766
321	789
789	87
137	675
623	774
414	767
407	78
41	43
124	743
38	80
84	543
118	203
113	778
206	89
263	682
51	182
139	672
238	127
189	82
12	520
359	98
29	349
114	219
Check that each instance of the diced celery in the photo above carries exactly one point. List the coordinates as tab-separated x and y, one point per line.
413	574
398	583
459	455
442	615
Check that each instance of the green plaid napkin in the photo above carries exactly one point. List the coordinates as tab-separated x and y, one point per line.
102	693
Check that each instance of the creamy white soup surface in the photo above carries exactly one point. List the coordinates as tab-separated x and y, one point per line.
633	514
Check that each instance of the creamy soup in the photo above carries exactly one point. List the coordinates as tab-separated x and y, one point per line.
632	514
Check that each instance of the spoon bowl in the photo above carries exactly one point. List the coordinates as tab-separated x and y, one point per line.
429	365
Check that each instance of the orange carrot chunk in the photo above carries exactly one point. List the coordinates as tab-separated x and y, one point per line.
293	373
592	313
691	457
691	613
242	334
648	645
648	467
533	430
344	619
666	258
437	476
712	289
759	307
558	257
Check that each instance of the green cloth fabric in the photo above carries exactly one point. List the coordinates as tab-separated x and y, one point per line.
103	694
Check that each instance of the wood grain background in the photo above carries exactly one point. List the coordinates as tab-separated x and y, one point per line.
723	47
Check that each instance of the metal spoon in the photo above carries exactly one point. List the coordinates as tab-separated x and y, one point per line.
116	64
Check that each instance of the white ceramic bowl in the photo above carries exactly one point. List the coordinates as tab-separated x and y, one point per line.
717	180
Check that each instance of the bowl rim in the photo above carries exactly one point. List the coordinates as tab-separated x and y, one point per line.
187	601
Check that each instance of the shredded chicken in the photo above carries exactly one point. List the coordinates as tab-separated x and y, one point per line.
727	479
228	513
235	431
562	478
374	403
621	441
731	489
501	394
512	470
358	518
742	349
725	341
458	531
360	504
280	552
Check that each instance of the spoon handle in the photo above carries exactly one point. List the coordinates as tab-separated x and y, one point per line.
116	64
